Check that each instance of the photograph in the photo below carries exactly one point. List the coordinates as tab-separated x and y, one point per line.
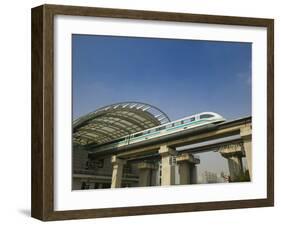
138	112
160	112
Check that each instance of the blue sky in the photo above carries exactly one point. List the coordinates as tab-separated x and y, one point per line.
181	77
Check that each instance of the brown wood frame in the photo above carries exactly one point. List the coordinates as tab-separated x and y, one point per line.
42	203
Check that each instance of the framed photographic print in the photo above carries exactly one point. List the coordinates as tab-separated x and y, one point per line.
142	112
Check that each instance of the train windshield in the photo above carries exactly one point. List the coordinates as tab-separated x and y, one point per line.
206	116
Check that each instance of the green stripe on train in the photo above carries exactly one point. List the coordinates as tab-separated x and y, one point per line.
173	128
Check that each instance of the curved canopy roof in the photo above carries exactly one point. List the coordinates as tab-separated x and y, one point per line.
114	121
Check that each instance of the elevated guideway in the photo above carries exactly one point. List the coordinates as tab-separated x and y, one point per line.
232	139
205	137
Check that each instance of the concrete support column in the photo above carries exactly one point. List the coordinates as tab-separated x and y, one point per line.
233	153
146	174
246	135
187	168
168	169
194	175
154	176
117	173
235	166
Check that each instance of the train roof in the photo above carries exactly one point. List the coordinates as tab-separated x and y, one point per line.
202	113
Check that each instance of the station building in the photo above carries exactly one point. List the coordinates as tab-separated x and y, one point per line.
107	124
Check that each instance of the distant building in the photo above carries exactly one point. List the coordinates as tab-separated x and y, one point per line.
210	177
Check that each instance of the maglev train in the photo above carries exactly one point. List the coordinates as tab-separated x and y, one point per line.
186	123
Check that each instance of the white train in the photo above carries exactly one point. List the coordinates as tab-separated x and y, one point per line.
186	123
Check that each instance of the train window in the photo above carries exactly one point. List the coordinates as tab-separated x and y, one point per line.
160	128
138	134
169	126
206	116
188	120
119	140
177	123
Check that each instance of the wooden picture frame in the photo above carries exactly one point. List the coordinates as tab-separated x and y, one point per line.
43	112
